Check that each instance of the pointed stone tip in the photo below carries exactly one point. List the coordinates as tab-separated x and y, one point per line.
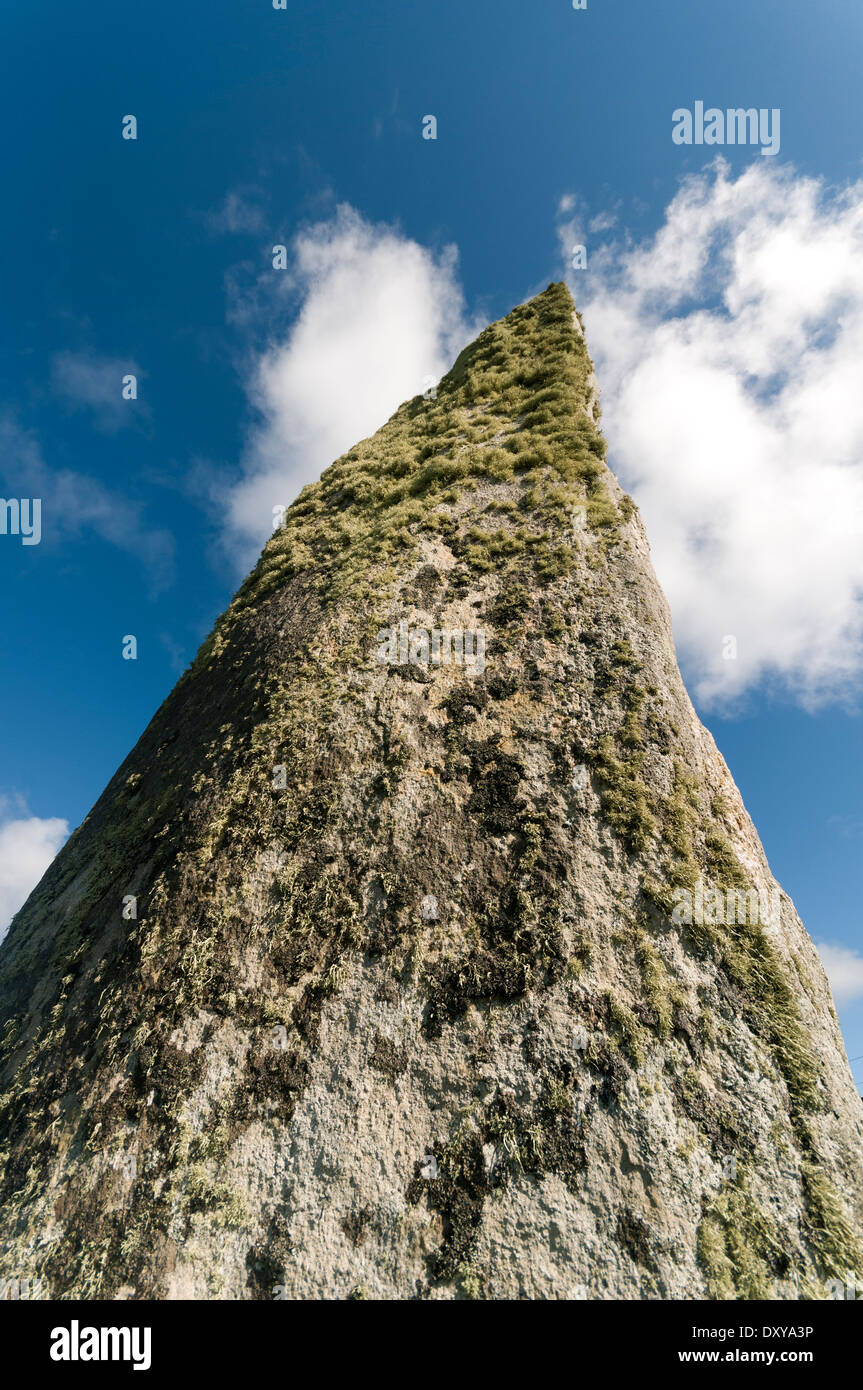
557	287
554	306
557	291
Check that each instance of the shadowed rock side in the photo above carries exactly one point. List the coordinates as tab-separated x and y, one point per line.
405	1011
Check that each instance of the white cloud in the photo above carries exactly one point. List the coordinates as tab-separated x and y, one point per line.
728	348
27	846
378	315
86	381
844	971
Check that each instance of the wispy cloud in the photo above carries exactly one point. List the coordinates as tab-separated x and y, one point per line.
728	347
241	214
74	504
848	827
89	382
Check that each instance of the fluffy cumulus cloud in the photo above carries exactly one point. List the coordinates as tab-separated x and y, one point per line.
728	347
378	318
844	971
27	846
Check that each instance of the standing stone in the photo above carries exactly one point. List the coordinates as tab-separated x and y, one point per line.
426	1121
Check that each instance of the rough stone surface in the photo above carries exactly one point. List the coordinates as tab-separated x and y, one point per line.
289	1075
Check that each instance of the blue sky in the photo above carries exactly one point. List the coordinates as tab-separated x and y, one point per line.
255	126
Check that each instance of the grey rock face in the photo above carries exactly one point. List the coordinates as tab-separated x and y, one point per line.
458	969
